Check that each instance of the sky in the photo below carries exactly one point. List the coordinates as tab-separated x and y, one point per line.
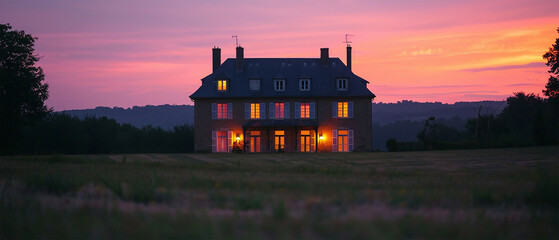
135	52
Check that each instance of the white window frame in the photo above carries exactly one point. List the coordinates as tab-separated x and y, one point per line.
342	84
279	85
305	84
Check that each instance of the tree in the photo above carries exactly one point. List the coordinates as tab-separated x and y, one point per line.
22	90
552	87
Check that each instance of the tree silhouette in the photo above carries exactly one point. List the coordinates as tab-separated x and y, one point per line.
552	87
22	91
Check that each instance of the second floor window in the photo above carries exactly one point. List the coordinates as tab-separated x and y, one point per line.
342	109
279	85
304	84
221	85
305	110
279	110
222	110
255	110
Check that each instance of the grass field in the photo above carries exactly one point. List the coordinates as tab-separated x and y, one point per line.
497	193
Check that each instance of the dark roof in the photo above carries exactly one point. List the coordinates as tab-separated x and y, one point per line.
323	79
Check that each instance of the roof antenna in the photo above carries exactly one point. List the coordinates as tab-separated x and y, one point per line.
347	40
236	40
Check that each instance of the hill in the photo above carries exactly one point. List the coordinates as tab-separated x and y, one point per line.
164	116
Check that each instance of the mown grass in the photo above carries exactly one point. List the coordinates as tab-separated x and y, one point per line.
499	193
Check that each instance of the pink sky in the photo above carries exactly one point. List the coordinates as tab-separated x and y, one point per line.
134	53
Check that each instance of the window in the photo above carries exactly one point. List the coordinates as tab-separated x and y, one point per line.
304	84
342	140
279	110
279	85
279	141
305	110
222	110
255	110
221	85
342	109
342	84
254	145
306	141
221	141
254	84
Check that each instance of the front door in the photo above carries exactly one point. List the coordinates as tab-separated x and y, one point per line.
254	141
305	141
279	141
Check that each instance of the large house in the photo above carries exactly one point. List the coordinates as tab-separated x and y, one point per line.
282	105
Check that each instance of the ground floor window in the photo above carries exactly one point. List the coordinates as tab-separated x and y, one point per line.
306	141
279	141
221	141
254	144
342	140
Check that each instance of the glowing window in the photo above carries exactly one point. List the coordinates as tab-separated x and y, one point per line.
222	110
279	141
222	85
279	109
305	110
343	141
342	110
255	110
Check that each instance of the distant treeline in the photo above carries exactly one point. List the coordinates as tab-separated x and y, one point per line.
60	133
527	120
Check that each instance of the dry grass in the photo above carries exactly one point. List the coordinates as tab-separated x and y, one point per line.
497	193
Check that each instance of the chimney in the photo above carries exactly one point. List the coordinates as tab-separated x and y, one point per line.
240	58
324	58
216	57
348	61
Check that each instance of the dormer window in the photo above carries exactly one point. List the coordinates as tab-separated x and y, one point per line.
342	84
254	84
279	84
304	84
221	85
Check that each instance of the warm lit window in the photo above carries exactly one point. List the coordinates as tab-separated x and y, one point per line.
305	110
221	110
222	85
279	85
304	84
255	110
343	141
254	84
342	110
279	110
342	84
279	141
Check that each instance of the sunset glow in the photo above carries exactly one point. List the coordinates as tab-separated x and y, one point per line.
127	53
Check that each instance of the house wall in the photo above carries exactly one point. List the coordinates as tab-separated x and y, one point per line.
360	123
